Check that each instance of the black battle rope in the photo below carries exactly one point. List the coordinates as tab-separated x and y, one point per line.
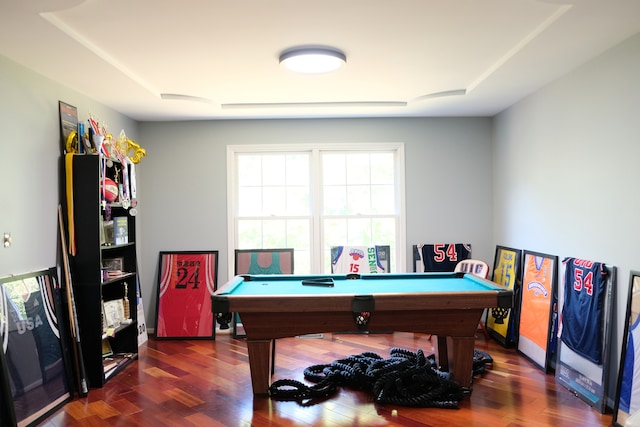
480	361
404	379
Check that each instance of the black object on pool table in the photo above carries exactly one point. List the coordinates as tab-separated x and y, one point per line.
320	281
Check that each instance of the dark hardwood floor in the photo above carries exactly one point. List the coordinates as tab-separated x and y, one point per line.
207	383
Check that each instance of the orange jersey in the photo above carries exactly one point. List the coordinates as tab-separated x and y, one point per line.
537	295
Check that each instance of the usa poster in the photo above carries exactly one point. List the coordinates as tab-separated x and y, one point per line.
34	379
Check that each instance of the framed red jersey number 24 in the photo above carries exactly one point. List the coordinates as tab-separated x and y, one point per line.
186	281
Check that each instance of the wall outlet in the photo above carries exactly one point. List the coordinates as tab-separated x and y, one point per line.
7	240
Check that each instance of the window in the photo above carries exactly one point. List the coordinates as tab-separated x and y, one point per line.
312	198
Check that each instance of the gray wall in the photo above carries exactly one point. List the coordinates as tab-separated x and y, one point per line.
183	206
29	163
566	172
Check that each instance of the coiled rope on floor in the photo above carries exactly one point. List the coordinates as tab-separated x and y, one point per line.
406	379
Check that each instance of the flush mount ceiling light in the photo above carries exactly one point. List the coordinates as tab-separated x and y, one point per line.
312	59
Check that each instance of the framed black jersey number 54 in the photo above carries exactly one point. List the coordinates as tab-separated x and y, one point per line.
186	281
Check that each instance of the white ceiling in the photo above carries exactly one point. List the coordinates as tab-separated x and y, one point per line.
404	57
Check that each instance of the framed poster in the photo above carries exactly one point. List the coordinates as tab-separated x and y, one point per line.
585	301
35	380
7	415
538	308
113	264
506	272
263	261
260	261
142	323
113	311
627	402
372	259
69	128
186	281
439	256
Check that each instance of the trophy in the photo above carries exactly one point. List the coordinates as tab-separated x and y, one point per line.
127	311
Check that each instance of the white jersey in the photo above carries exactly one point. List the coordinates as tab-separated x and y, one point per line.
356	260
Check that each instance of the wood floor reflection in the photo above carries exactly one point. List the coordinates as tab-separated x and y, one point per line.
207	383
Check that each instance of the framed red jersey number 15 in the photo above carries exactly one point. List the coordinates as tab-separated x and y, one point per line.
186	281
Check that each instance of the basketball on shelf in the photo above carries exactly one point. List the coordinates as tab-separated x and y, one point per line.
109	190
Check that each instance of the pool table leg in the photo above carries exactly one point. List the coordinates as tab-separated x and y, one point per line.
260	364
273	356
455	355
441	351
460	351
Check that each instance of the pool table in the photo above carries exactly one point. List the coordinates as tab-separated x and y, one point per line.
447	305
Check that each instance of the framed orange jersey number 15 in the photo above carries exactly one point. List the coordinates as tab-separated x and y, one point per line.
186	281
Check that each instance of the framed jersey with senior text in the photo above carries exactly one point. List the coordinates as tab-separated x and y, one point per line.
372	259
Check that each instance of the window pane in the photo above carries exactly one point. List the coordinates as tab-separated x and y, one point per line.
274	169
382	200
326	267
299	238
299	234
249	170
298	170
383	231
298	201
249	234
359	231
302	262
334	169
274	201
358	170
358	200
335	200
335	232
382	168
274	234
249	201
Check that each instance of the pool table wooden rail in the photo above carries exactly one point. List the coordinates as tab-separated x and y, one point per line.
388	301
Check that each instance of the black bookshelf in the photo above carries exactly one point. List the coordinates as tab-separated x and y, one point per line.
90	286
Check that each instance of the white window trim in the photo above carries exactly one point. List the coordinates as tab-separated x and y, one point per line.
400	250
